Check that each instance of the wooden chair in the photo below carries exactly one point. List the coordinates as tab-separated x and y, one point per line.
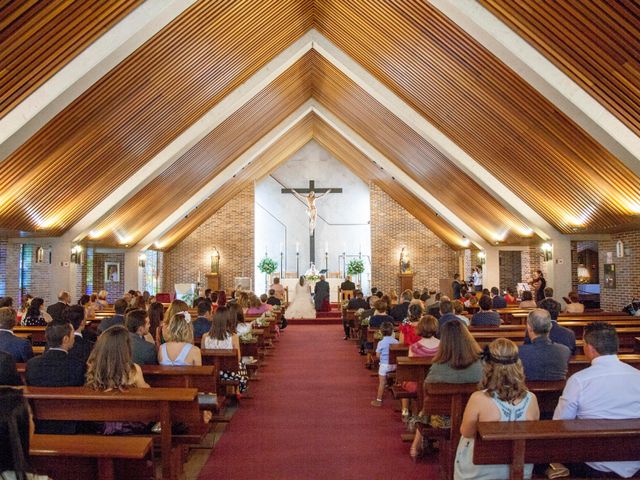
345	294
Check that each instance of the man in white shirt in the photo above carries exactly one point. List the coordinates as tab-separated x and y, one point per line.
608	389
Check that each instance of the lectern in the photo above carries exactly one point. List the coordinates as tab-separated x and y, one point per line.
406	281
213	281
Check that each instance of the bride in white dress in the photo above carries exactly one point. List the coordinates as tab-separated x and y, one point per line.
302	305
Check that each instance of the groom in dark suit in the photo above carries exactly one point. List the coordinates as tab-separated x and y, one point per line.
321	295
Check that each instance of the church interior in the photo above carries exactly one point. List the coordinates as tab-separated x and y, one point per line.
207	150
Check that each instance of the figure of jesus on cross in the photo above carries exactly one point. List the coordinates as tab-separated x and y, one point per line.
310	196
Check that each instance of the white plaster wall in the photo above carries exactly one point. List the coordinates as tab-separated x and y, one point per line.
281	219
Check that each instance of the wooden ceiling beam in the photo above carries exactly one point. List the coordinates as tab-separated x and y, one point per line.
25	118
542	74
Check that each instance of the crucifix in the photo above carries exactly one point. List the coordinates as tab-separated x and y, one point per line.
310	199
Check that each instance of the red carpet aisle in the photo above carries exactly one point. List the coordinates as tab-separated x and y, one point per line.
311	418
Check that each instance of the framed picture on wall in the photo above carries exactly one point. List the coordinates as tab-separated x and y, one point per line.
111	272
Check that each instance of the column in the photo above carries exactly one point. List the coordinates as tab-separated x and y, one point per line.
491	268
559	267
63	272
133	274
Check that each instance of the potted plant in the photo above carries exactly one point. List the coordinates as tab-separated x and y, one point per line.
355	267
267	266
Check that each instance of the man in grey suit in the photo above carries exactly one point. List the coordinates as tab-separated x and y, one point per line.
321	295
143	352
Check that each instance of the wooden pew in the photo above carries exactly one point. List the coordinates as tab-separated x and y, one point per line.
555	441
414	369
450	399
78	457
222	360
164	405
580	362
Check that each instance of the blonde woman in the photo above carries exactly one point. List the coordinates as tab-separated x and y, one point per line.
503	398
175	307
179	349
101	302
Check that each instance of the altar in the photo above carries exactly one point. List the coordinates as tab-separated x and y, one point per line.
334	284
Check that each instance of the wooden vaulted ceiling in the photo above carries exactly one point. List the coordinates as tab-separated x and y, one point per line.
292	141
135	218
125	119
595	42
38	38
486	109
363	167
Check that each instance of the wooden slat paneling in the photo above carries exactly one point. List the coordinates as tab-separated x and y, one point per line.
126	118
485	108
135	218
414	155
280	151
595	42
363	167
38	38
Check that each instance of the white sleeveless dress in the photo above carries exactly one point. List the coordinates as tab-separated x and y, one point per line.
302	304
465	469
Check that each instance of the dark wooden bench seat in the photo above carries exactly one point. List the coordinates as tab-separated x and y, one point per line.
557	441
451	398
79	457
165	405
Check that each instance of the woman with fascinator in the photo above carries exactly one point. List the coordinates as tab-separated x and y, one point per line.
503	397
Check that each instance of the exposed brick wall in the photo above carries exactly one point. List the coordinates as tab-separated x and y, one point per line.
3	266
231	231
532	261
510	268
115	290
391	228
627	271
39	277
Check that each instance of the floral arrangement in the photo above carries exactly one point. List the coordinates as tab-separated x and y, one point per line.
246	338
312	278
355	266
267	265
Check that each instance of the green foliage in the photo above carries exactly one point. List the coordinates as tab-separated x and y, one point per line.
355	266
267	265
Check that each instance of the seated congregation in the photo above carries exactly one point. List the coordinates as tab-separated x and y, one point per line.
141	351
456	372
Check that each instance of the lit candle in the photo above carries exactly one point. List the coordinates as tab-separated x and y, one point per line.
326	247
344	247
198	276
280	247
297	247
